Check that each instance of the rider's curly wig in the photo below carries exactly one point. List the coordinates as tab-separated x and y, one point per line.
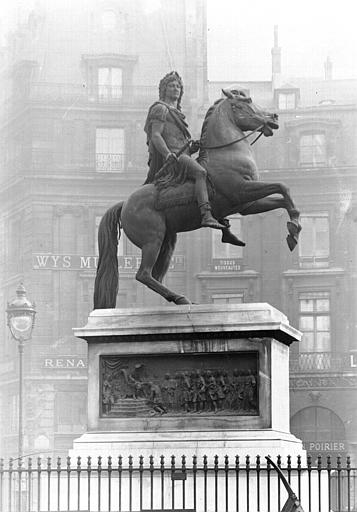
170	77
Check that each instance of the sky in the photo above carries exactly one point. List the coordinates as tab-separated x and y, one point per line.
240	36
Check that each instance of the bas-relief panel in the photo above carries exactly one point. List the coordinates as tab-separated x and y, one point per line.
179	385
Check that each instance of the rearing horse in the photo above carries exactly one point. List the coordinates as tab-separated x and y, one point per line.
228	158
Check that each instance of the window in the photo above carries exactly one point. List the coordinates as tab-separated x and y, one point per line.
227	298
70	411
110	83
314	246
110	151
314	322
286	100
227	251
312	149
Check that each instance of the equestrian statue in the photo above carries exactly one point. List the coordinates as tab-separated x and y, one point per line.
184	194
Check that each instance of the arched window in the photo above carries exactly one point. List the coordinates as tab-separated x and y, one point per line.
321	430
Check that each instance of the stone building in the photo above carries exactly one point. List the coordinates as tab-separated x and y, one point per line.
75	90
75	94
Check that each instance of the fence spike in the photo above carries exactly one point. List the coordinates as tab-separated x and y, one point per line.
309	461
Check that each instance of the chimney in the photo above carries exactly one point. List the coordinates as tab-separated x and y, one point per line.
276	61
328	69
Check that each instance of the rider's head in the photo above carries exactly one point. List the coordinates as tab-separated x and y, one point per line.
173	76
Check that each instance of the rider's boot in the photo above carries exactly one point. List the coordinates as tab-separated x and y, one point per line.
207	219
201	192
228	237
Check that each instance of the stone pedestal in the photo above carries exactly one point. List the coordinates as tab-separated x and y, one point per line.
194	380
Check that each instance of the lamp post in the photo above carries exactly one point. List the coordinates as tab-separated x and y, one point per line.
21	319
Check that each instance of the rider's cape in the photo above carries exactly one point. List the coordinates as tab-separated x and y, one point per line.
175	134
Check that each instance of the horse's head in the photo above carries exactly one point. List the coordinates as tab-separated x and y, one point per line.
248	116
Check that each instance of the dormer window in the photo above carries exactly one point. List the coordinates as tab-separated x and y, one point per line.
286	101
109	20
286	98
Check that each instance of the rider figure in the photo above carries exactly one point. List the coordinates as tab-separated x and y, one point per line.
167	133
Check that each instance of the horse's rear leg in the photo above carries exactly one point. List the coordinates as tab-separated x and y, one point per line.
162	263
149	255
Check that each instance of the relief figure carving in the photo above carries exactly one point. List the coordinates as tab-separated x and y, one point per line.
138	389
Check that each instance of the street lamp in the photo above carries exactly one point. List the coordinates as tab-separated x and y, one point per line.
21	319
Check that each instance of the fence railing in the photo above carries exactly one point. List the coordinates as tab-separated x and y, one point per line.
319	361
206	484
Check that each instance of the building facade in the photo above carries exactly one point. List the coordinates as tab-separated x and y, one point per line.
76	87
75	96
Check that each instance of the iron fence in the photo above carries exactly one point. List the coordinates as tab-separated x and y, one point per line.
205	485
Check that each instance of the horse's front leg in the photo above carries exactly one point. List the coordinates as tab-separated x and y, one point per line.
256	194
294	226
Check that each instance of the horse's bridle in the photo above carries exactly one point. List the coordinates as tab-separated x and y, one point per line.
238	140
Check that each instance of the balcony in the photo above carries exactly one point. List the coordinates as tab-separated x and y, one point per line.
315	362
110	162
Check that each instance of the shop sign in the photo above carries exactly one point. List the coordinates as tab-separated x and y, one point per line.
314	382
65	363
226	265
325	446
42	261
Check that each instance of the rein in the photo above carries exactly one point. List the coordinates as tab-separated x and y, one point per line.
238	140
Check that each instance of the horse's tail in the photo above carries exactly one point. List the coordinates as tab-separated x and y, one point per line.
107	279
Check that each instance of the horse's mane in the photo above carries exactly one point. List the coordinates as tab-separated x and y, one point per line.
207	116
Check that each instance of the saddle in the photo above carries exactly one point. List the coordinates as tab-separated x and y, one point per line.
179	194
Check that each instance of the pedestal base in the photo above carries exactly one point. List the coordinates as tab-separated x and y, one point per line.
188	380
244	442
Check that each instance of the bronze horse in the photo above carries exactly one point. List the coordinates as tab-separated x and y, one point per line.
233	174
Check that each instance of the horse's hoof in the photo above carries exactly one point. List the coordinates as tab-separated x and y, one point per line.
181	300
292	242
294	228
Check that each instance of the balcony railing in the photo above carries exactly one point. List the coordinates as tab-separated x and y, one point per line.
319	362
112	162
